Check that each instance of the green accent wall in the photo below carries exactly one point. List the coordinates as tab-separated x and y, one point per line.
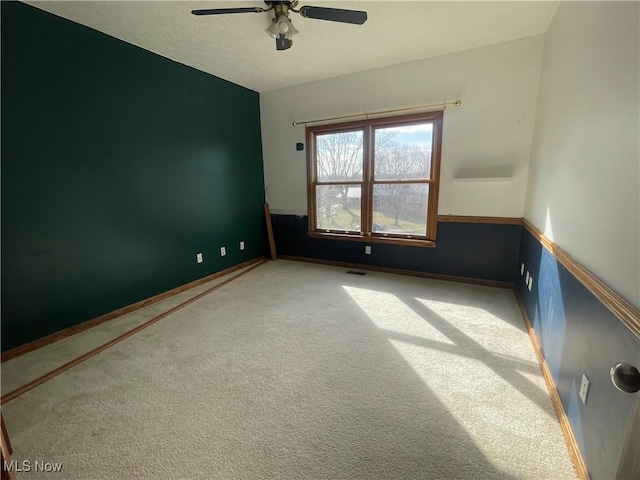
118	166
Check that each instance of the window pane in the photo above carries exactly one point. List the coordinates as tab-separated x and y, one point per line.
400	208
403	153
338	207
339	156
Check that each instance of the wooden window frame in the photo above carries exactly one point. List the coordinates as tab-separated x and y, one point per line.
368	180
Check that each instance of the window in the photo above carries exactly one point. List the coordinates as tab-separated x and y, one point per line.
375	180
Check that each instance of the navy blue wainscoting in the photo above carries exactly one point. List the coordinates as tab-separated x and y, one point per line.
579	335
475	250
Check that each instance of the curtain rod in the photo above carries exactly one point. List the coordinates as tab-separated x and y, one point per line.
457	103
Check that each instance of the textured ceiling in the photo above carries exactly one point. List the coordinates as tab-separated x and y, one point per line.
235	47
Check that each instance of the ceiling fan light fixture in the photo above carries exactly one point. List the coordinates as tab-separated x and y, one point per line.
281	25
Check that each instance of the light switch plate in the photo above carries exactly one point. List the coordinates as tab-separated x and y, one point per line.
584	388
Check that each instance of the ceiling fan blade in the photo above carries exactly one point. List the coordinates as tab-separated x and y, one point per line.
223	11
356	17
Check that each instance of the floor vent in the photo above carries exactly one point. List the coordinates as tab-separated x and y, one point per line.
355	272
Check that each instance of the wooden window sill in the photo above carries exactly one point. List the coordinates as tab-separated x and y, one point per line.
353	237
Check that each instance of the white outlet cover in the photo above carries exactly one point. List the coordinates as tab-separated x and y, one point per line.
367	250
241	245
584	389
199	258
223	251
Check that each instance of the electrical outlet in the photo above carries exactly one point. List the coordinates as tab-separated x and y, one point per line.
199	258
241	245
223	251
367	250
522	269
584	389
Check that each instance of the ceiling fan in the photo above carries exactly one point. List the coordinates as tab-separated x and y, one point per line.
281	27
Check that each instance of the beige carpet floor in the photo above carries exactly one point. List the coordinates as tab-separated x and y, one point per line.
298	371
26	368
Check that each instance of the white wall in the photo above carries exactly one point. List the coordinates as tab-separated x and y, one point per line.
498	86
585	166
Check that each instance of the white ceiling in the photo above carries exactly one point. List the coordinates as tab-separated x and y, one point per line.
235	47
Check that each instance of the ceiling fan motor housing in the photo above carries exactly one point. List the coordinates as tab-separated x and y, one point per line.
274	3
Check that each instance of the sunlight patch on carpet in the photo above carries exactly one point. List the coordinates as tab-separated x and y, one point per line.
387	312
470	359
